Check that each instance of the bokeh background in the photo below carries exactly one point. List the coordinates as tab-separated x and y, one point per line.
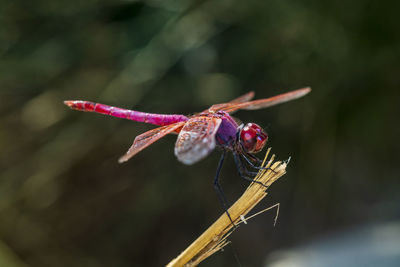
64	199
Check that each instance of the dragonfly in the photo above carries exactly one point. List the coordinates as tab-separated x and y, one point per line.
201	133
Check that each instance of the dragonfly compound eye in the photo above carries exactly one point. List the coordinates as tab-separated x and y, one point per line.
253	138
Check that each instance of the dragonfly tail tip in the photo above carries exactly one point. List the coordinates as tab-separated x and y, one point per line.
69	103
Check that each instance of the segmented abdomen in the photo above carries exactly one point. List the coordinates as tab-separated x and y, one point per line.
157	119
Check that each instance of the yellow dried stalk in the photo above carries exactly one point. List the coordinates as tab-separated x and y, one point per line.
215	237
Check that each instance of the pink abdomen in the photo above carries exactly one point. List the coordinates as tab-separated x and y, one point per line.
157	119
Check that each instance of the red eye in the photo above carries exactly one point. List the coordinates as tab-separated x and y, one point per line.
253	138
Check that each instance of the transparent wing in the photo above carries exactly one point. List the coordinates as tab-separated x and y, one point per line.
145	139
196	139
241	99
262	103
244	98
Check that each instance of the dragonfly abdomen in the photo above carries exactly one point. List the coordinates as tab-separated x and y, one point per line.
157	119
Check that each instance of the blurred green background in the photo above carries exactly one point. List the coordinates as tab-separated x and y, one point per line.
64	199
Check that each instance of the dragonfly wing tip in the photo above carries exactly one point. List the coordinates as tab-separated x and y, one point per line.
303	91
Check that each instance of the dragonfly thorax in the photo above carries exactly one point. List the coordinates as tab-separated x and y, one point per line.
252	138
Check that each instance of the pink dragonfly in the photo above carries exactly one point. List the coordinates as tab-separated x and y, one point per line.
199	134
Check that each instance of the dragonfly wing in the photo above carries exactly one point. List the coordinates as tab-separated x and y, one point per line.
240	99
267	102
244	98
196	139
145	139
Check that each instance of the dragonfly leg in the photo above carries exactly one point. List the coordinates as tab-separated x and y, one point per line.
218	188
252	157
243	172
247	156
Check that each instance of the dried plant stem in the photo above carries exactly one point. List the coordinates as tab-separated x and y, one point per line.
215	237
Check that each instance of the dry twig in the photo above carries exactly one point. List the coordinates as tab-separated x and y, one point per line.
215	237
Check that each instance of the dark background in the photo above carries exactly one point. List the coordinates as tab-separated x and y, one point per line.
64	199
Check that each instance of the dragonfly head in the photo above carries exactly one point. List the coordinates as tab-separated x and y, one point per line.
253	138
